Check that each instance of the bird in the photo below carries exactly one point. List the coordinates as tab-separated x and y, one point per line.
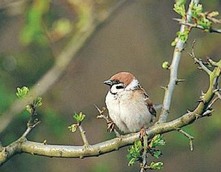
128	104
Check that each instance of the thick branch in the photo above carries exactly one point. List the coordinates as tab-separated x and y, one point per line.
174	68
64	151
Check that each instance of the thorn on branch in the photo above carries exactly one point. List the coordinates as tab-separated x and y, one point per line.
165	88
201	99
214	100
212	62
45	142
179	81
202	93
218	94
208	112
188	111
188	136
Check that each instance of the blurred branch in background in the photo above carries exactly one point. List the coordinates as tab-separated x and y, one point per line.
13	7
87	26
8	3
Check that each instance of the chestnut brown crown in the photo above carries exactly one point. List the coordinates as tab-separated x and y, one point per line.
122	77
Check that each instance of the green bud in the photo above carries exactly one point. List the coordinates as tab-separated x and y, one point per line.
156	165
73	127
79	117
22	92
165	65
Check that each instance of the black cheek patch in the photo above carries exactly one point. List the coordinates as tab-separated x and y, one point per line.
119	87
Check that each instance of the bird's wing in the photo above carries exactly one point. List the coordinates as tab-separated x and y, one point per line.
148	103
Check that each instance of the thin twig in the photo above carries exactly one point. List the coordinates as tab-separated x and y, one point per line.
194	25
144	154
33	121
188	136
213	101
83	136
212	62
197	60
218	94
29	128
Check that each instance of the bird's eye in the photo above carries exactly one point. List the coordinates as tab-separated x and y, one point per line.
120	87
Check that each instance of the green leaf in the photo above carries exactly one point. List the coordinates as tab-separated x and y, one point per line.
196	10
134	152
157	153
38	101
28	108
180	2
205	23
156	165
79	117
183	36
157	141
22	92
179	9
201	18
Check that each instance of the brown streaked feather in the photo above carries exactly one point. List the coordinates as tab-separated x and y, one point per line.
148	102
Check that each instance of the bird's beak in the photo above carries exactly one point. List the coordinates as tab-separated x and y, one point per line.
108	82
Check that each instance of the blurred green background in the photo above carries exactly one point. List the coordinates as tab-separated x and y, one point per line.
136	38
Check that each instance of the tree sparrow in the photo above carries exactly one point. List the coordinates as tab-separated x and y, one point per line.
128	104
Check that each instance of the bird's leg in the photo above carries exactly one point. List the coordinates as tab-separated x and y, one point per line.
142	133
110	125
111	128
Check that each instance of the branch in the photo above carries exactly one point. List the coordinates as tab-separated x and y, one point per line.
199	61
7	3
144	154
174	68
64	151
69	52
194	25
188	136
83	136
